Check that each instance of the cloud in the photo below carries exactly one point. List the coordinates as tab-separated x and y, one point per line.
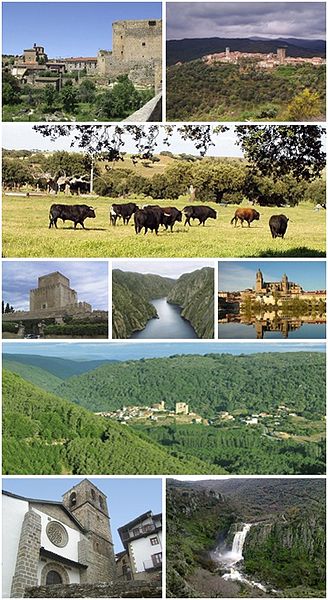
246	19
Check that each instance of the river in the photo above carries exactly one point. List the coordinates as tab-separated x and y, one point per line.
304	331
169	325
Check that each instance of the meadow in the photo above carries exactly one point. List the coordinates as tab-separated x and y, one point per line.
25	232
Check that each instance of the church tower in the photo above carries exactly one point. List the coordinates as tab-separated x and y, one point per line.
284	283
89	506
259	282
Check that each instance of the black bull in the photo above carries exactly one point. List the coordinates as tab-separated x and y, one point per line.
70	212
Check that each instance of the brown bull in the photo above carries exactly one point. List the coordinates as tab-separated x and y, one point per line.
245	214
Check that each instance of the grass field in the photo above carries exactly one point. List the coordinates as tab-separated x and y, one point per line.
26	234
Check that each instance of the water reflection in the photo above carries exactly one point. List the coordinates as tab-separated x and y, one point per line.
271	324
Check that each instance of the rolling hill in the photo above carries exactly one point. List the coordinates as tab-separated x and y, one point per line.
45	434
59	367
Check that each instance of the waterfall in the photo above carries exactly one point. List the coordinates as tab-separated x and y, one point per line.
238	542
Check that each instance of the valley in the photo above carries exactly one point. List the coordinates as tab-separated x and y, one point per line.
154	307
217	413
246	538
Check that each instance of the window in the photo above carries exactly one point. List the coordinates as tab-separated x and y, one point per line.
93	494
143	43
53	578
72	499
157	559
136	531
154	541
101	503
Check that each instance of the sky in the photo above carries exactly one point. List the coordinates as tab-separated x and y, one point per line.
21	136
165	268
136	350
239	275
245	19
127	498
88	278
68	29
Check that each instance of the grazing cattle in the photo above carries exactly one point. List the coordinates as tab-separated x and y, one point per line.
148	218
245	214
278	225
70	212
124	211
202	213
79	186
170	216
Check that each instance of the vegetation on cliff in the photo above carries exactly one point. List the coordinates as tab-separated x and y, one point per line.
192	292
131	293
284	548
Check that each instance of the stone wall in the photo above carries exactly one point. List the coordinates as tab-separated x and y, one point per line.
78	310
151	111
121	589
137	40
27	555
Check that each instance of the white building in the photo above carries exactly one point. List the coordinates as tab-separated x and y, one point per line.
142	540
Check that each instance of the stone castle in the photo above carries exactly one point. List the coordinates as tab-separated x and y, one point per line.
136	52
53	298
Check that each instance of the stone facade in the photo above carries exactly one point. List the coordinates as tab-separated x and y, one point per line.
89	506
285	286
27	555
53	291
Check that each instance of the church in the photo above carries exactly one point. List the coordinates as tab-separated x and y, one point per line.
285	286
48	542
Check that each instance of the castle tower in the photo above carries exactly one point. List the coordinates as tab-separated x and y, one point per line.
259	281
284	283
89	505
281	55
227	52
53	291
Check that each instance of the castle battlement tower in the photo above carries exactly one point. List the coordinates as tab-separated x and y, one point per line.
53	291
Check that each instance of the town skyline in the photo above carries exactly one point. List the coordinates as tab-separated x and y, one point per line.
236	276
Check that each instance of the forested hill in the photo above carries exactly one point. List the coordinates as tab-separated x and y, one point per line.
194	293
131	308
190	49
209	384
44	434
59	367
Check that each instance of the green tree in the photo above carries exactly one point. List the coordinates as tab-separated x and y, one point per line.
316	192
87	91
119	102
50	95
11	89
69	99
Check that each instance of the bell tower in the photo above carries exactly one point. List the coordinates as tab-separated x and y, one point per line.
89	506
284	283
259	282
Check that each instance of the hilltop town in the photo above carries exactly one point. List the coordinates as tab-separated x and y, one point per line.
262	60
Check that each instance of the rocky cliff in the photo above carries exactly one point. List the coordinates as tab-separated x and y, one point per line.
131	308
285	550
194	293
